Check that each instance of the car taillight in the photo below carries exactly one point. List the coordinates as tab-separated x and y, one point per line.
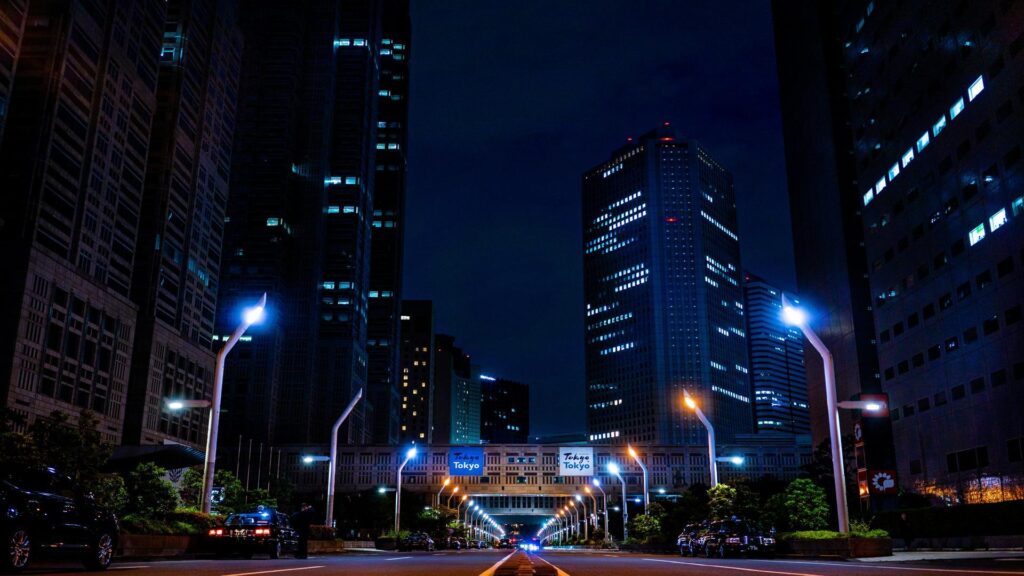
216	532
263	531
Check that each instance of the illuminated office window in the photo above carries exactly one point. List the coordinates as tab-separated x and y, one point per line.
939	126
956	108
908	156
975	89
923	141
977	235
997	220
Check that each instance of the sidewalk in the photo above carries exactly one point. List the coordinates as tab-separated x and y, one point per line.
937	555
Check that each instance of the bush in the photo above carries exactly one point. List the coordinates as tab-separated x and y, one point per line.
148	493
807	505
830	534
110	492
645	526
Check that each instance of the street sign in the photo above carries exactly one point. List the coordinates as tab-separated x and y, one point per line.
576	461
466	461
882	481
858	432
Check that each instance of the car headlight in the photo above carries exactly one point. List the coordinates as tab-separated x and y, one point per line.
768	540
732	540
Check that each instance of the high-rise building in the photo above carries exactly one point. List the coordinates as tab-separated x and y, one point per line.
504	411
303	178
456	401
13	15
777	372
178	254
73	163
383	325
664	303
417	371
935	124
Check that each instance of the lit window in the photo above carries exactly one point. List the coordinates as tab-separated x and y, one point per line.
939	126
997	220
975	89
908	156
977	235
879	186
860	25
869	196
392	146
273	221
382	124
894	171
871	8
956	108
328	285
922	141
333	209
359	42
351	180
381	145
384	92
342	42
1018	206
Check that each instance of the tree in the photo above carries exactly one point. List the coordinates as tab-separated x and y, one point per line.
76	450
111	493
722	501
149	494
747	504
231	489
775	512
645	526
807	505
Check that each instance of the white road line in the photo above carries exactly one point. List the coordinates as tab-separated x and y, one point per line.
398	558
723	567
875	565
557	569
490	571
274	571
128	567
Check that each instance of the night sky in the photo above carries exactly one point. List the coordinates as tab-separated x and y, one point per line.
511	102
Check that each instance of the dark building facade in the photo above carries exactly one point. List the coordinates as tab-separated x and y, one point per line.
304	173
455	408
73	163
777	372
504	411
383	324
417	369
13	15
664	303
178	253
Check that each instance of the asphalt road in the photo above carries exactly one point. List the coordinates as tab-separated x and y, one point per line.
545	563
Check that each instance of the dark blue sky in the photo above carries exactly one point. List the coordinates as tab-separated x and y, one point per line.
511	102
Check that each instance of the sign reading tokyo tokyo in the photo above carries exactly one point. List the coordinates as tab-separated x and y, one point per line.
576	461
466	461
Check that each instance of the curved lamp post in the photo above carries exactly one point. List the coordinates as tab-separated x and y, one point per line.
614	470
249	317
636	457
712	459
409	455
604	506
332	471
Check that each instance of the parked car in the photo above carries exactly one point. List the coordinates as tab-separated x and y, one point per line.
417	541
689	540
262	531
48	513
448	543
734	537
463	543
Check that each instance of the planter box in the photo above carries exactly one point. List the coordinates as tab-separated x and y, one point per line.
837	547
336	546
157	545
385	544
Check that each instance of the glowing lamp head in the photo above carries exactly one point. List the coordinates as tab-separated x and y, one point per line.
793	316
613	468
690	403
579	498
253	315
631	451
381	490
456	490
873	406
595	482
661	490
176	405
410	453
307	459
471	502
737	460
464	497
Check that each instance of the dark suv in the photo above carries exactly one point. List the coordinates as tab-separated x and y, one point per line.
417	541
689	540
264	530
46	512
734	537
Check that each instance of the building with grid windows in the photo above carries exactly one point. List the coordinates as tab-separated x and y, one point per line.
417	371
455	408
504	411
13	15
935	122
663	294
777	372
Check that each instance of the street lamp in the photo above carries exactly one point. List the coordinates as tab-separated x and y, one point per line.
249	317
409	455
332	472
692	405
604	506
571	509
309	459
614	470
593	508
447	481
797	317
865	405
454	492
586	521
174	404
736	460
636	456
469	506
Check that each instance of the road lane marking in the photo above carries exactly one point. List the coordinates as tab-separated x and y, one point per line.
724	567
128	567
557	569
864	565
398	558
274	571
490	571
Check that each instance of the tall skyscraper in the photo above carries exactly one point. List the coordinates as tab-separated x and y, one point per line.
73	162
776	362
456	401
383	325
13	15
305	165
417	371
935	137
178	253
504	411
664	304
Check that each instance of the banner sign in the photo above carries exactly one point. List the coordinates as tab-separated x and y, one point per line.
882	482
466	461
576	461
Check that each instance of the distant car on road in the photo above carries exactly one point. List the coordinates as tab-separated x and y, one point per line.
263	531
531	544
734	537
46	512
416	541
505	543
